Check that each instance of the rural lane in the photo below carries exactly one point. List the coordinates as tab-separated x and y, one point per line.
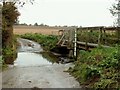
41	76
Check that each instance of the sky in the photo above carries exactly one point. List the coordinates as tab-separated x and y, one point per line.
68	12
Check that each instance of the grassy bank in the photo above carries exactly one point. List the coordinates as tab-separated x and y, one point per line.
46	41
98	68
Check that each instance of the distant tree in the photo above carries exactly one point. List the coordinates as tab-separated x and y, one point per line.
115	11
36	24
30	24
65	26
46	25
41	24
24	24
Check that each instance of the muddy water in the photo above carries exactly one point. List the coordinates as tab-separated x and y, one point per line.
31	70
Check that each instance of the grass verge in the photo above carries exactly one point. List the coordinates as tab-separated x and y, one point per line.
98	68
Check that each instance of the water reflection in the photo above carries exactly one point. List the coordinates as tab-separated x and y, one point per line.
30	59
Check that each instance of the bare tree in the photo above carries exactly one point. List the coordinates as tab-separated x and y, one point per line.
18	2
115	10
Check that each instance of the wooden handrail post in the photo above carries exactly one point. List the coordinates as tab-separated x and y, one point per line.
86	43
100	37
104	39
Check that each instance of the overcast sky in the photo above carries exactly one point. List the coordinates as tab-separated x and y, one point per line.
68	12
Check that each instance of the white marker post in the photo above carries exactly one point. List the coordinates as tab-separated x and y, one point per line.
75	44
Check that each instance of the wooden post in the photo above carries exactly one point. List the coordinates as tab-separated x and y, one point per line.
71	46
70	38
99	37
86	43
104	40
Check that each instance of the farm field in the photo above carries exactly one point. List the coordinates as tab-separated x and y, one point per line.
36	29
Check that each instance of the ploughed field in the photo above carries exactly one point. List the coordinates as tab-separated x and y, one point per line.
18	29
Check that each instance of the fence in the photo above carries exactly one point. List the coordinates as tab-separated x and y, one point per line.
98	35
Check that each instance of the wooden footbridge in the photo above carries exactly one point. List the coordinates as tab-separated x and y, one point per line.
87	38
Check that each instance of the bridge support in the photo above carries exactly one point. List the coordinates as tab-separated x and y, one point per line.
71	53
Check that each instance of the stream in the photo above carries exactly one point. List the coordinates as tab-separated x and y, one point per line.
32	70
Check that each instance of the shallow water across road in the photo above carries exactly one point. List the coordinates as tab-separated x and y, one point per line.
29	54
31	70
